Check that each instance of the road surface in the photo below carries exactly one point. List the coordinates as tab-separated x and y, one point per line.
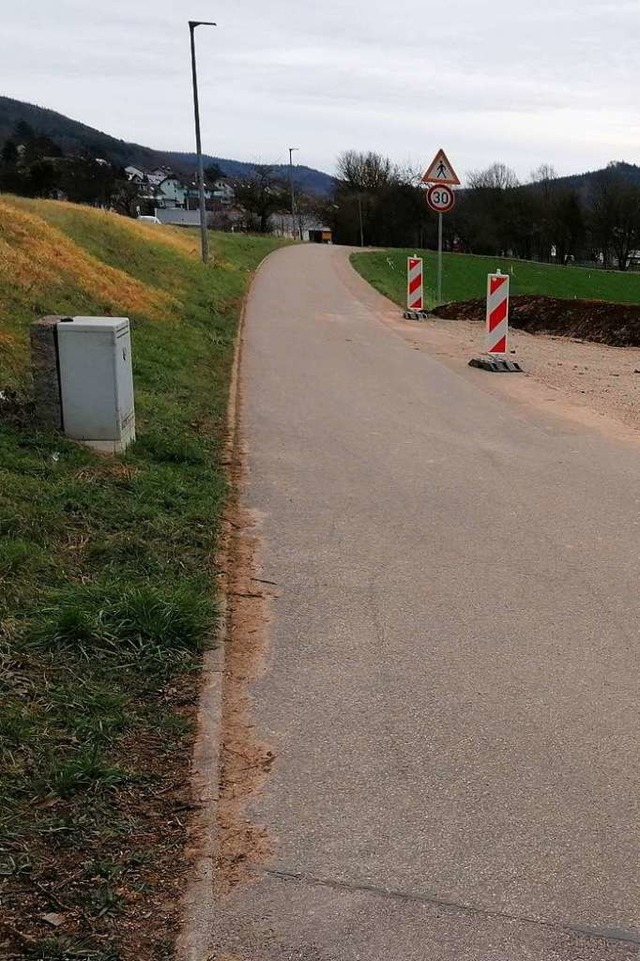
452	685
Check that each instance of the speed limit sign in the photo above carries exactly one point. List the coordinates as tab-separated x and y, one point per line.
441	198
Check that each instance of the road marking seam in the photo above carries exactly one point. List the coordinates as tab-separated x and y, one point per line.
626	937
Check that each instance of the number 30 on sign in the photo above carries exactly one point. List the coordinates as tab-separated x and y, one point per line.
441	198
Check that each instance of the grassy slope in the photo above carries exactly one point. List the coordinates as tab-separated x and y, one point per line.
106	581
465	277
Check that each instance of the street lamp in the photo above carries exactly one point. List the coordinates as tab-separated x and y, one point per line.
293	196
196	109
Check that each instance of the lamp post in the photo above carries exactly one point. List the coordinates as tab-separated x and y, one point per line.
196	109
293	195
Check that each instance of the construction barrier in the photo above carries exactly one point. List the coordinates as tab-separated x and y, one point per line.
498	313
415	284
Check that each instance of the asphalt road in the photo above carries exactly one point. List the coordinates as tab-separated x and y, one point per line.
452	689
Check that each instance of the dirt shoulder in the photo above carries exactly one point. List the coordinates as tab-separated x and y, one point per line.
569	376
582	381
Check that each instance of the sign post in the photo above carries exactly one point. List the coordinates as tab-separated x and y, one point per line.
440	197
439	288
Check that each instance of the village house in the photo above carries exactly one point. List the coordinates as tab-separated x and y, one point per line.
163	189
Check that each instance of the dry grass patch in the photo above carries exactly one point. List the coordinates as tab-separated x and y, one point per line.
37	258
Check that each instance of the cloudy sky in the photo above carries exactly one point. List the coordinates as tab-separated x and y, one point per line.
553	81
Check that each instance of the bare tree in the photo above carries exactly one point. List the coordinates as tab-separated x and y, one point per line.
544	174
496	177
365	171
615	218
557	215
488	215
363	201
261	195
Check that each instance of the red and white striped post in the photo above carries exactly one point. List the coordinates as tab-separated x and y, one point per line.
415	284
497	313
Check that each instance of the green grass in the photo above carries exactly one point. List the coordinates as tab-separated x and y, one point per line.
107	577
465	277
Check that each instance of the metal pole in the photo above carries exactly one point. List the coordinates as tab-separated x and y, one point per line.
293	195
361	223
439	294
204	239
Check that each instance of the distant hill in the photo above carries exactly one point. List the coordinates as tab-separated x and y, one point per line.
74	136
585	182
306	178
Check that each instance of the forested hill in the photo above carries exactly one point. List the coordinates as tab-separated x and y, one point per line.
584	182
75	137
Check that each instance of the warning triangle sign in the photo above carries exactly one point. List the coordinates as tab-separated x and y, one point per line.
441	172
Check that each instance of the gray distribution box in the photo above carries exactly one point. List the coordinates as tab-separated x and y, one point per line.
96	382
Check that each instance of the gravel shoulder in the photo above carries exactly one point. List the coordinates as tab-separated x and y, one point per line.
590	383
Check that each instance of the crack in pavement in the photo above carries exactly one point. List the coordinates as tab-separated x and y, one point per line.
601	934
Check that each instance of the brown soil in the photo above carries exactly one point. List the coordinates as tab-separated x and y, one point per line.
617	325
245	760
58	900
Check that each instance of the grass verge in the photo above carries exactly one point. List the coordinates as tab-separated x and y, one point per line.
465	277
106	578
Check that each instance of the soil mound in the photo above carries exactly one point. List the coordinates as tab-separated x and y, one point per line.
617	325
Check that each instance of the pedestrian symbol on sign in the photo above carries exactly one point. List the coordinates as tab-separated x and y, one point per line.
441	172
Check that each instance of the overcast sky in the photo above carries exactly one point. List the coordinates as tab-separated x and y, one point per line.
553	81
